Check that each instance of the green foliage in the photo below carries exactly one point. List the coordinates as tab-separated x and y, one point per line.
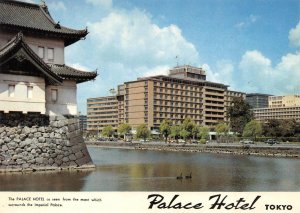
280	128
202	141
188	128
239	115
184	134
222	132
124	129
165	128
175	132
252	129
203	132
142	131
222	128
108	131
195	131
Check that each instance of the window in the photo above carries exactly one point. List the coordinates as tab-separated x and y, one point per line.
41	52
29	91
50	54
11	90
54	94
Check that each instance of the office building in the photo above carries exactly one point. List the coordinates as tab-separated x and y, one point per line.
280	107
257	100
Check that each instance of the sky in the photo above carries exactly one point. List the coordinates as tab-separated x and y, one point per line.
251	45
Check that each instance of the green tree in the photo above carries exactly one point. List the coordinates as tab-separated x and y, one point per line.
124	129
108	131
185	134
203	132
142	131
288	127
165	128
222	130
175	132
280	128
272	128
239	115
195	131
252	129
187	128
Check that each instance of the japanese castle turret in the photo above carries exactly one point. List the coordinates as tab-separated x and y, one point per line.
38	109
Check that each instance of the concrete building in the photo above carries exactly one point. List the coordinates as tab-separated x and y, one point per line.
102	112
185	92
280	107
33	74
257	100
284	101
83	122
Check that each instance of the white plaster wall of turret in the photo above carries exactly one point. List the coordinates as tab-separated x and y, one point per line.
36	42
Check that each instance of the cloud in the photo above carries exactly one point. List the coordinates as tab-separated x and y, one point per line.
79	67
159	70
29	1
258	74
57	5
248	21
127	45
131	38
294	36
101	3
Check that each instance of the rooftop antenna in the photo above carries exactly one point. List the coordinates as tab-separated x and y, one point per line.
177	59
43	3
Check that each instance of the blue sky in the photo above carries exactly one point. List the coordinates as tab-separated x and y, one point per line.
251	45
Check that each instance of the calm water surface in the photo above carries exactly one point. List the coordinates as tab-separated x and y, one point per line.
132	170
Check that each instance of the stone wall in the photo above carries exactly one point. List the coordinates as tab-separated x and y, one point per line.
32	142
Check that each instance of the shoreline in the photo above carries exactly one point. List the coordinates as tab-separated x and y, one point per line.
233	149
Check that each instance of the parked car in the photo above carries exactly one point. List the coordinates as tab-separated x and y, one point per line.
142	140
181	141
247	141
271	141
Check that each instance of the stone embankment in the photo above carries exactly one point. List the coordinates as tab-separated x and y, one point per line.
54	145
236	149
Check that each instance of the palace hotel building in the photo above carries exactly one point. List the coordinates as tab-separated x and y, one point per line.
185	92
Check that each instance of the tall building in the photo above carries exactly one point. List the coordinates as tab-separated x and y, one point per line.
257	100
82	122
284	101
280	107
101	112
185	92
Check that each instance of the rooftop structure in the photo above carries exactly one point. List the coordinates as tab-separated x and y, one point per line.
33	74
35	20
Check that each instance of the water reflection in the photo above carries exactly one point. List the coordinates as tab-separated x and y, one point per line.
44	181
128	170
132	170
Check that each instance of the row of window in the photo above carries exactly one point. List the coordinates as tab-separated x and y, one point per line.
42	53
182	86
12	88
103	104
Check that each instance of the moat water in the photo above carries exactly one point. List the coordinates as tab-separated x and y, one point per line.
140	170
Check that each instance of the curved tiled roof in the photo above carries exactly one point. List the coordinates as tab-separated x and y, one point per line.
55	73
18	48
36	19
68	72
